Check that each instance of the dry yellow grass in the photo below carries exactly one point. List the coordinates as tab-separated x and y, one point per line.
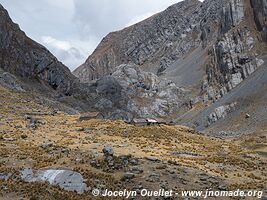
240	162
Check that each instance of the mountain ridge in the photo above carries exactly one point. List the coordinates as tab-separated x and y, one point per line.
193	122
129	32
179	62
219	43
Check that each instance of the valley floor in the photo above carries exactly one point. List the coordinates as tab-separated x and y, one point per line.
35	136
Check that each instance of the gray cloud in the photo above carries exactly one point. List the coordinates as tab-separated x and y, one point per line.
101	17
71	29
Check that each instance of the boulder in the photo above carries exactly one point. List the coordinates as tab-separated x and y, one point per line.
65	179
128	176
10	81
108	151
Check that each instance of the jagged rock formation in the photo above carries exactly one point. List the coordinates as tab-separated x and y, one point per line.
25	58
208	48
149	95
260	12
160	39
234	59
26	65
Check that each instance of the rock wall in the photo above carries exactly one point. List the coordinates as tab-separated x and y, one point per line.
260	13
232	14
234	56
157	41
233	60
25	58
220	112
149	95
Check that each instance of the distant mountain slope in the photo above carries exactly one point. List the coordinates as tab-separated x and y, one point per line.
208	48
242	110
27	66
25	58
186	64
146	42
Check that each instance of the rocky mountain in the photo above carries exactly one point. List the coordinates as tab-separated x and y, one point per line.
197	64
207	48
181	64
57	152
28	66
25	58
145	43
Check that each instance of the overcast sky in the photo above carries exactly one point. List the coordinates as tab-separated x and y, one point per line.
71	29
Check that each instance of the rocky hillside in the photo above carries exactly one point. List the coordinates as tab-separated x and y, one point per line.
27	66
159	39
208	48
199	64
25	58
185	64
57	156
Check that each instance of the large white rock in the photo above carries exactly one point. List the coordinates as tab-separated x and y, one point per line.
65	179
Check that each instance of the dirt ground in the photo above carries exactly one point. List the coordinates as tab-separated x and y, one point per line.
167	157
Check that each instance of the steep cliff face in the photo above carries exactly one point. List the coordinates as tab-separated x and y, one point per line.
160	39
233	58
177	64
209	48
27	66
260	12
236	53
25	58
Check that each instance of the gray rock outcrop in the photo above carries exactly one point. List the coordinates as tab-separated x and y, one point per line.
184	63
148	94
10	81
220	113
219	42
234	59
65	179
260	14
158	40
